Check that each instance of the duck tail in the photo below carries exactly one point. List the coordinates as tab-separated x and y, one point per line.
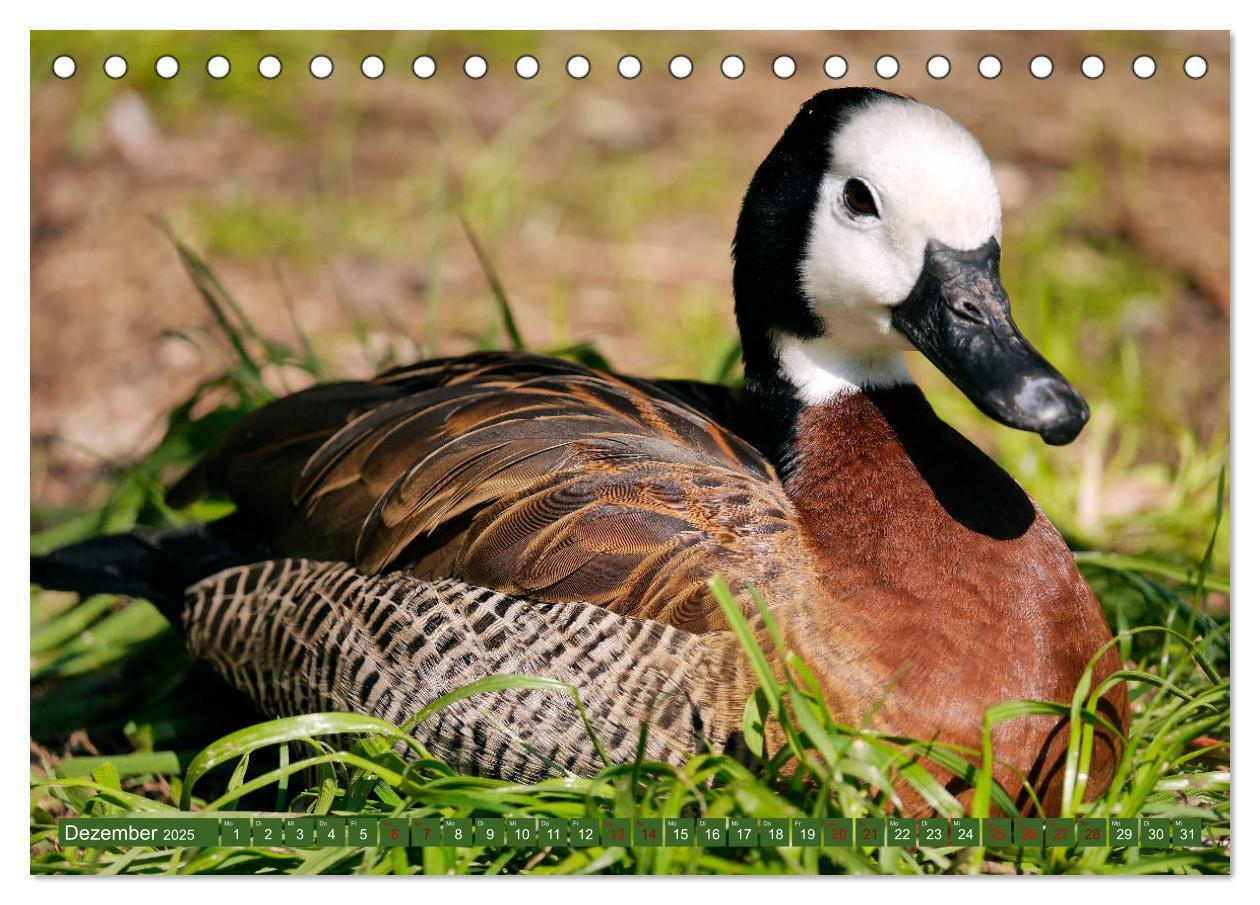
157	566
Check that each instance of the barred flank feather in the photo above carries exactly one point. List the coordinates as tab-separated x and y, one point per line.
299	635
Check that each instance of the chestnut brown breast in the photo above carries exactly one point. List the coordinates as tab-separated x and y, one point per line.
957	589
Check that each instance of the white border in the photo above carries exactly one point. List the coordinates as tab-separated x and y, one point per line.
785	15
657	14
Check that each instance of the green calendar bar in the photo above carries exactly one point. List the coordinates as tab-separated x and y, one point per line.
1028	832
837	831
997	832
900	832
807	832
521	832
489	831
1187	831
933	833
680	832
394	832
1155	832
268	831
330	831
1060	832
553	831
303	831
711	832
299	832
964	831
774	832
457	831
871	831
362	832
234	832
1091	832
649	832
426	831
132	832
584	832
616	831
741	832
1122	832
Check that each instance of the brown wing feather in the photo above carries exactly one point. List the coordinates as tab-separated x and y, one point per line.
539	477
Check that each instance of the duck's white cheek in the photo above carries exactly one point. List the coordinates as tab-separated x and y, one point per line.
853	278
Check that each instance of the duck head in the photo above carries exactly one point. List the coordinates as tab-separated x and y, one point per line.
874	227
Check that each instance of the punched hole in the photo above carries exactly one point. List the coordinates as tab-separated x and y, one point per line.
990	67
887	67
167	67
1041	66
321	67
527	66
269	67
423	67
1093	67
64	66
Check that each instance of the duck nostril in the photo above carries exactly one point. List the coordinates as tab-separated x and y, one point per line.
967	307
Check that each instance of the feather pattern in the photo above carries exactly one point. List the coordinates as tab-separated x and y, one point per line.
528	475
299	636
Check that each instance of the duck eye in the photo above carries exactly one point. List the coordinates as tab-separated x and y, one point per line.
859	200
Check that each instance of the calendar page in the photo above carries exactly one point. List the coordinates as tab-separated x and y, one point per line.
630	452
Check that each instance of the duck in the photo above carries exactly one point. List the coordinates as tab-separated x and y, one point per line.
397	538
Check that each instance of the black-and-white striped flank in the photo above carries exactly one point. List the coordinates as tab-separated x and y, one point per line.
299	636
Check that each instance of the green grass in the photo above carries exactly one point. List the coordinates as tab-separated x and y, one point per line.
824	769
171	737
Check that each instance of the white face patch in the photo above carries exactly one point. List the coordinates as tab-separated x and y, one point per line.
929	179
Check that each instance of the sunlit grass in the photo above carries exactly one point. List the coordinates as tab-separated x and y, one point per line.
824	769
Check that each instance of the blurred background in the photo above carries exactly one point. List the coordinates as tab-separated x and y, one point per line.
331	212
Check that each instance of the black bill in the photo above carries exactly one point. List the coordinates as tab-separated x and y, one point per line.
959	316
